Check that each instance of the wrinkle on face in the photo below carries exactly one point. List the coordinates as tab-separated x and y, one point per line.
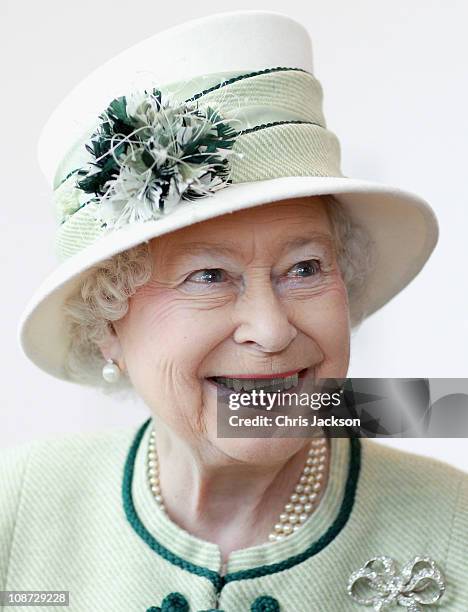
178	332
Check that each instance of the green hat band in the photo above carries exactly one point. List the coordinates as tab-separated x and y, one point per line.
273	127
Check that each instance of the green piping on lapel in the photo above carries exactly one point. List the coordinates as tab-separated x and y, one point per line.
141	530
255	572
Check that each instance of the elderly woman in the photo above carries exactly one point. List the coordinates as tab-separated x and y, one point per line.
210	243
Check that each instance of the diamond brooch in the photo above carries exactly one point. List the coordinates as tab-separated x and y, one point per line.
378	583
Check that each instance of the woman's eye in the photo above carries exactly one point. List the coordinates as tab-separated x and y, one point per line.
208	275
306	268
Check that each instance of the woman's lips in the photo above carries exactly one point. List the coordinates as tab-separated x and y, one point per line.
301	373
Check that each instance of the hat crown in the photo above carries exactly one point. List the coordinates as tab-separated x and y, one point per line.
225	42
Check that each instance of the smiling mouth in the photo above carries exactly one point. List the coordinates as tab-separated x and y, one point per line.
266	382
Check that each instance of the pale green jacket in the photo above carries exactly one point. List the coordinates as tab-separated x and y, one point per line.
77	515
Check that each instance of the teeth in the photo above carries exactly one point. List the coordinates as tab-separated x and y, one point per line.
268	384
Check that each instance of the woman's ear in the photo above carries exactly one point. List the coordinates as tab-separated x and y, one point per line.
112	349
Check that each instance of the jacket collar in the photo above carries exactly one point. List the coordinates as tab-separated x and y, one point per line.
201	557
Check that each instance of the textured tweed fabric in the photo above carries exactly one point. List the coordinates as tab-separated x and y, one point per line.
77	514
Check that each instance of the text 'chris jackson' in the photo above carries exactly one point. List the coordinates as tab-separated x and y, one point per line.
282	420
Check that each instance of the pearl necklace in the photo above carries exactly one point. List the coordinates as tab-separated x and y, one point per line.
302	501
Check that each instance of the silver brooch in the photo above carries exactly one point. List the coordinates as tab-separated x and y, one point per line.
378	583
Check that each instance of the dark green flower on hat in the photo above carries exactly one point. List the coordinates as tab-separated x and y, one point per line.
150	152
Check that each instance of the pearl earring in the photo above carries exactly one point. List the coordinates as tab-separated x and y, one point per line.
111	371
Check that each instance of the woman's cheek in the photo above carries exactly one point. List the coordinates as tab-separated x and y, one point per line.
336	341
168	344
325	320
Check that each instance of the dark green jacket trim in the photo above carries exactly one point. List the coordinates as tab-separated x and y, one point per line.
255	572
141	530
327	537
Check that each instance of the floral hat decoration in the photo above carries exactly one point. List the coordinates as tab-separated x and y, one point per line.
228	120
147	154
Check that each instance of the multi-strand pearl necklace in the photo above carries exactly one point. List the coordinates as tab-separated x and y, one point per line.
302	501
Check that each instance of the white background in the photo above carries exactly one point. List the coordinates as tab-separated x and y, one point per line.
395	92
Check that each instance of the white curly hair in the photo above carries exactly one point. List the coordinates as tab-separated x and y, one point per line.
106	287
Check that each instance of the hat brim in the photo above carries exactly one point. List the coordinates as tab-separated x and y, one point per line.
402	225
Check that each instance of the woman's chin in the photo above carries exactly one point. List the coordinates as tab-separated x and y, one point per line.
243	447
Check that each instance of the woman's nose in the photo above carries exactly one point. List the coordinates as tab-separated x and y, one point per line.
262	319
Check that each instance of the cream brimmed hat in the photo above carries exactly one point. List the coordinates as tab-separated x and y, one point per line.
212	116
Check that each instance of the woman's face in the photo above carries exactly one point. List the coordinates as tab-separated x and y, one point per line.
254	292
